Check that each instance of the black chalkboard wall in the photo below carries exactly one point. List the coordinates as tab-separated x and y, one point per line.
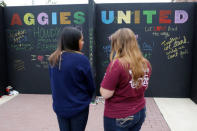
166	40
164	32
32	34
194	72
3	69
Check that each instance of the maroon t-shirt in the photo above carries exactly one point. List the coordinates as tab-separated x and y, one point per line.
126	100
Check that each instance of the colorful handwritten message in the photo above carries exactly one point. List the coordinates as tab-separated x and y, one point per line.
19	65
175	47
40	61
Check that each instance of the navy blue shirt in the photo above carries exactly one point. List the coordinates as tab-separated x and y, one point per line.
72	84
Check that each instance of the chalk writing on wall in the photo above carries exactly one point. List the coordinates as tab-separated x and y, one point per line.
22	46
40	61
147	49
91	44
17	36
18	40
19	65
46	38
106	49
124	17
36	38
159	31
45	19
175	47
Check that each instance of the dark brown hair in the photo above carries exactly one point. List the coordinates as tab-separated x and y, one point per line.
69	41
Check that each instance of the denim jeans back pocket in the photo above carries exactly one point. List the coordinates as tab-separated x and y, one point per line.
124	122
127	121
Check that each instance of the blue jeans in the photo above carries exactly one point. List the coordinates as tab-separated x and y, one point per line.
130	123
75	123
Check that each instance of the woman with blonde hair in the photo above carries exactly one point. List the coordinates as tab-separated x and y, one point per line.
124	83
71	80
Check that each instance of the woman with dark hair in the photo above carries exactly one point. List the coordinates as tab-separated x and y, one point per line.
71	81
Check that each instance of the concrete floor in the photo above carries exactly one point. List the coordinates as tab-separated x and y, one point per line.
180	113
34	112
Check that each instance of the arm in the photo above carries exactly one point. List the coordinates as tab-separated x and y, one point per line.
91	84
85	74
110	80
106	94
